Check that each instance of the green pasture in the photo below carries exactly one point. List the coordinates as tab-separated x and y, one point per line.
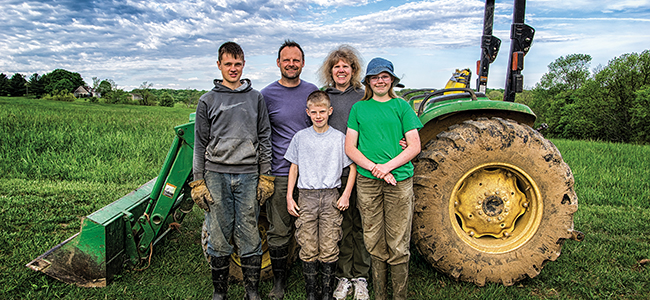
62	161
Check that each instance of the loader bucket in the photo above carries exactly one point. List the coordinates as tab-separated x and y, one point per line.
91	257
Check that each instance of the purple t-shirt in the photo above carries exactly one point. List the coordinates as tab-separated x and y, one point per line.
287	115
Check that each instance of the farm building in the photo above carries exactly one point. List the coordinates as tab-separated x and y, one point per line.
82	91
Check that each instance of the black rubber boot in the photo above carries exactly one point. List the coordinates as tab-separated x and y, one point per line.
220	270
279	266
329	284
251	267
310	271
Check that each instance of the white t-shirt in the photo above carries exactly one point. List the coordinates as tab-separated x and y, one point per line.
320	158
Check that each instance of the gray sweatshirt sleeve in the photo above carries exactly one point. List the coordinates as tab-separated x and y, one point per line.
201	139
264	135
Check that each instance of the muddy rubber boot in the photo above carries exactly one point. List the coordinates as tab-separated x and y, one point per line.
251	268
379	278
279	266
329	283
220	267
399	274
310	272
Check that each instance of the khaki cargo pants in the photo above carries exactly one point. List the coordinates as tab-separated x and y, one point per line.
318	229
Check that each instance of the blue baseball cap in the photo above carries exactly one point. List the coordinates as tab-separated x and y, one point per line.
378	65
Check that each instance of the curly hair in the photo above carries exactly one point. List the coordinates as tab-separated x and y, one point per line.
349	55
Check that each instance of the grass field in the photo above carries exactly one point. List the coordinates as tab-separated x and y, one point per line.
62	161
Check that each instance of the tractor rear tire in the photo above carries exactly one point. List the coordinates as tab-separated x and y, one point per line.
461	176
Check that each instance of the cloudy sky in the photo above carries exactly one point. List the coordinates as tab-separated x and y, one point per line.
173	44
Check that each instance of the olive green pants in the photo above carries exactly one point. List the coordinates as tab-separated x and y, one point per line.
281	223
354	259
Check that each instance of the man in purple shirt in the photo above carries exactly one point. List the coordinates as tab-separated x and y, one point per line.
286	102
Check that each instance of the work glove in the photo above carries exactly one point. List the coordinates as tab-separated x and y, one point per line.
200	194
265	188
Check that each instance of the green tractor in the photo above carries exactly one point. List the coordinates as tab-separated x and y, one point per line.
494	201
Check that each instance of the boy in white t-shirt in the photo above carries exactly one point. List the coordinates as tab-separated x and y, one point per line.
317	154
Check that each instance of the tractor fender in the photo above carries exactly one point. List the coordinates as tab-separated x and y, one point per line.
445	114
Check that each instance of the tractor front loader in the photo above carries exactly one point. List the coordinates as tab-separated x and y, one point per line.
124	232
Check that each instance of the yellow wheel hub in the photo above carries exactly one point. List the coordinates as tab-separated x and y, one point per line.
489	202
496	207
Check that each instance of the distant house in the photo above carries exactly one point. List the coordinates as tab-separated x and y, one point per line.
135	97
81	91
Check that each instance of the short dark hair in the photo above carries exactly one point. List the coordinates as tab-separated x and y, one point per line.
290	43
319	97
231	48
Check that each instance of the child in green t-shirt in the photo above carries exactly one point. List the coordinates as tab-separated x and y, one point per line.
385	184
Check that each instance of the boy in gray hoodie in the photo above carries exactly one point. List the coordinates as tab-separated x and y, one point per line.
232	147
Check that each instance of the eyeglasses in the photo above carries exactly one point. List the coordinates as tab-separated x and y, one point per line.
375	79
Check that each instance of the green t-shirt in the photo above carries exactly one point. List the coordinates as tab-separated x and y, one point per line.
381	125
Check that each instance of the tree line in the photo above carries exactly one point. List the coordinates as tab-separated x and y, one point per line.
60	85
50	83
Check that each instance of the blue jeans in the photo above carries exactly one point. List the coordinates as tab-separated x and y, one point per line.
234	214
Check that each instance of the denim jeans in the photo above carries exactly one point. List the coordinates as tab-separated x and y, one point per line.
234	214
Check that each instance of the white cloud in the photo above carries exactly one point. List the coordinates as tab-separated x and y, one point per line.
627	4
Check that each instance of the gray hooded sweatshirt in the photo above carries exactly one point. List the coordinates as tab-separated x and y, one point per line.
232	133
